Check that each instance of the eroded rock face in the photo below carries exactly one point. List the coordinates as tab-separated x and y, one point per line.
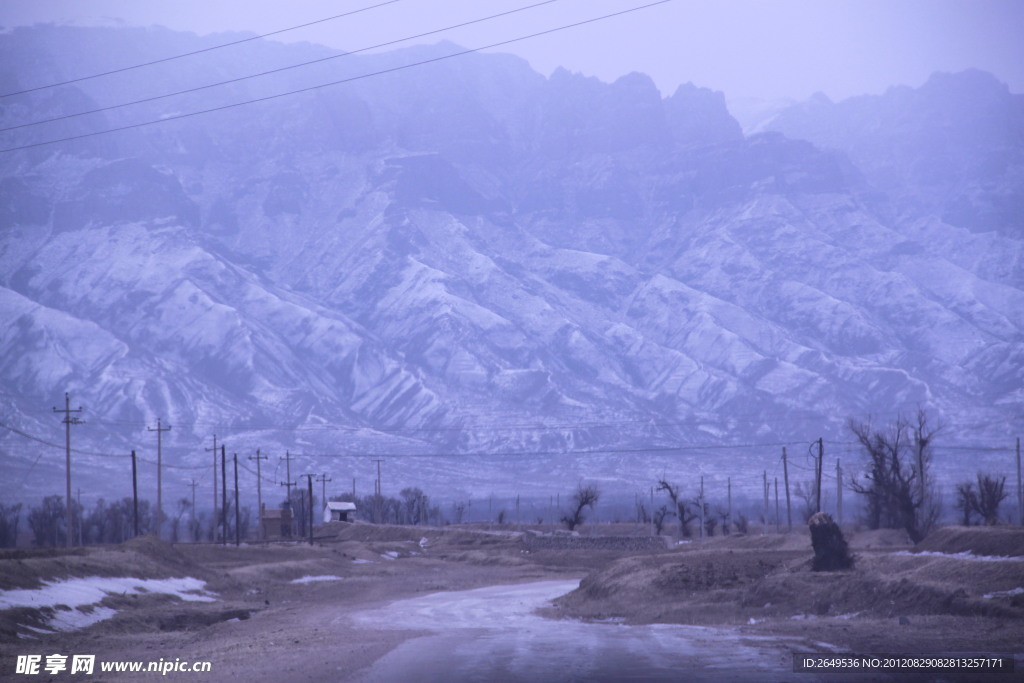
830	550
426	260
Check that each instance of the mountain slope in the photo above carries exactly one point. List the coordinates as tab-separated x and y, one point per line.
467	258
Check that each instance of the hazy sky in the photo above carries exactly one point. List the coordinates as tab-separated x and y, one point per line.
746	48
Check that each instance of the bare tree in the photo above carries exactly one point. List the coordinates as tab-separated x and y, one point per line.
897	484
685	511
710	523
184	505
195	526
804	490
990	494
10	515
642	517
48	521
659	519
966	501
416	507
585	496
458	510
723	515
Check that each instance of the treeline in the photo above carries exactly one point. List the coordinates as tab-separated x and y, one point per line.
896	489
115	521
106	523
411	507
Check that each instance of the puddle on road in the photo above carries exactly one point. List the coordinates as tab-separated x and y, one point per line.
493	634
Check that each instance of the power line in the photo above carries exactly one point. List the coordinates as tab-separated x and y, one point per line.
194	52
596	451
267	98
80	451
273	71
604	451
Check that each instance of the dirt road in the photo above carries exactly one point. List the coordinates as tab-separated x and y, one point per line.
378	603
494	634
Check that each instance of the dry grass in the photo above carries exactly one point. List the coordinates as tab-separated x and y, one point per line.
998	541
765	582
760	582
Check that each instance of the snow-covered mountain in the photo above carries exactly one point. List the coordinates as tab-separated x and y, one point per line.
953	147
467	258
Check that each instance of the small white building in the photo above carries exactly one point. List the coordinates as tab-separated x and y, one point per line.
339	511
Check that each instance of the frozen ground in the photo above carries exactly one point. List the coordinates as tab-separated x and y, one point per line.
494	634
81	596
468	605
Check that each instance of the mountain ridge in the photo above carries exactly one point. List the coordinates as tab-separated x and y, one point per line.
471	258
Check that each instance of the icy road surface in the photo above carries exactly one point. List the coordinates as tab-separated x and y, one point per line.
492	634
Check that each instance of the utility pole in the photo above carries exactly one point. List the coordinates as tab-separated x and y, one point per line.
323	479
778	520
377	496
238	519
309	485
194	526
702	507
839	493
214	449
1020	491
764	490
785	474
817	485
652	512
288	484
159	476
80	517
259	490
223	496
135	496
728	498
68	420
920	466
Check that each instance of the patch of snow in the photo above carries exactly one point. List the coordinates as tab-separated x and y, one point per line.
965	555
423	542
311	579
76	619
390	555
360	560
91	590
1004	594
77	593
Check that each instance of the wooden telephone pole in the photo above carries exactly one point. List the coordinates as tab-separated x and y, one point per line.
288	484
159	476
214	449
259	491
68	420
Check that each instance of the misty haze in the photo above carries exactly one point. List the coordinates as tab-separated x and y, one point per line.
421	362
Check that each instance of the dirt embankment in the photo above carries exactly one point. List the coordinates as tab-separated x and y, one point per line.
286	603
955	595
